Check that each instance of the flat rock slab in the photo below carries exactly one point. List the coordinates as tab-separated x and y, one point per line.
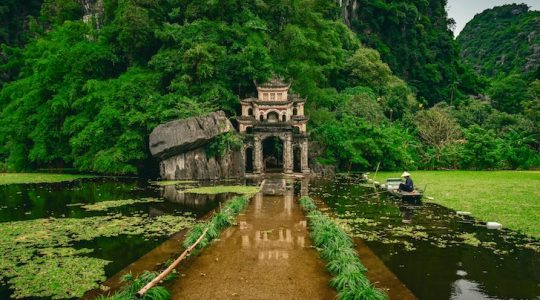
268	256
180	136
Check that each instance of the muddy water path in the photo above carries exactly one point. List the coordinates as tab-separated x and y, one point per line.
434	252
267	256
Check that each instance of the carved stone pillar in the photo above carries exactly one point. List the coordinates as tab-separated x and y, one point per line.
257	155
288	154
304	154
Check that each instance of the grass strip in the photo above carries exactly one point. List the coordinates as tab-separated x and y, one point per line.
133	285
336	247
219	189
508	197
222	219
24	178
172	182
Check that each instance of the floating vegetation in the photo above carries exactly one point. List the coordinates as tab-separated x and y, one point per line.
383	227
172	182
104	205
219	189
470	239
336	247
222	219
58	277
37	257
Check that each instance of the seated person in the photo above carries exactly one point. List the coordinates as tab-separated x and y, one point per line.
408	186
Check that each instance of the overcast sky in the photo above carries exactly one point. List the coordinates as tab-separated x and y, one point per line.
464	10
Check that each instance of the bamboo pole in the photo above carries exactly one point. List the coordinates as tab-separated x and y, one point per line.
166	272
376	171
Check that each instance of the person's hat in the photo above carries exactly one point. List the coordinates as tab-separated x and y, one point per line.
405	174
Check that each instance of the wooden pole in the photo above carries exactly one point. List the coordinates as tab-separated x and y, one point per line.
166	272
377	170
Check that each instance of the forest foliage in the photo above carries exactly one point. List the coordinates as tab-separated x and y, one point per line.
87	94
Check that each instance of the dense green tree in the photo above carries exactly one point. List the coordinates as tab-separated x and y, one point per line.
502	40
414	37
87	92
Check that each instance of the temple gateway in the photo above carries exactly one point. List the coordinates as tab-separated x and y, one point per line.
274	127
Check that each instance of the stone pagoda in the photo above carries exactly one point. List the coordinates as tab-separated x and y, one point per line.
274	127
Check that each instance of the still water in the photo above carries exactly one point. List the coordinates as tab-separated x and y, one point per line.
434	252
25	202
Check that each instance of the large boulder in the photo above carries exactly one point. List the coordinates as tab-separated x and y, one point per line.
181	148
181	136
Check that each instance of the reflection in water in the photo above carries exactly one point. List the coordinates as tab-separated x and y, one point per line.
463	289
273	244
178	196
436	253
21	202
268	256
408	212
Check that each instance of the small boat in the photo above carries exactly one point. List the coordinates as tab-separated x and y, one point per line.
392	186
406	196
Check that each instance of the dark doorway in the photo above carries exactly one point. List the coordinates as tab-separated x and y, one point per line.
273	154
297	160
249	160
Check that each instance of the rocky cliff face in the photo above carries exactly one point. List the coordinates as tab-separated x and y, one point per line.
93	12
181	148
348	9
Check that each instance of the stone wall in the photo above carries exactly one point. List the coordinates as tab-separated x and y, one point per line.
181	148
195	164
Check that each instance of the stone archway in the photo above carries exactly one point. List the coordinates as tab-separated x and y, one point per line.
272	154
249	160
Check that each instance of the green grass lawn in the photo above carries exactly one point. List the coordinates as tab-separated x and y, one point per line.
218	189
14	178
511	198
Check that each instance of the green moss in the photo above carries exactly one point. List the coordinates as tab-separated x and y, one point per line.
37	258
104	205
172	182
18	178
511	198
219	189
58	277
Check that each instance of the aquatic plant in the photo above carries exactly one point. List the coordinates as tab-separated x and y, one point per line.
133	285
104	205
222	219
337	248
37	258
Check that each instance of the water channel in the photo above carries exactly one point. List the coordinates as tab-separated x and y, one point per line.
432	251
